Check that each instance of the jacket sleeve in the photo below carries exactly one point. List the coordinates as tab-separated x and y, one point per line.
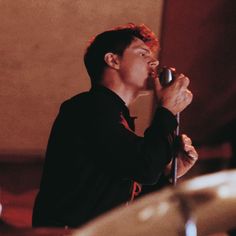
122	153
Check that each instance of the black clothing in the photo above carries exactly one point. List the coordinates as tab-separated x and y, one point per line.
93	158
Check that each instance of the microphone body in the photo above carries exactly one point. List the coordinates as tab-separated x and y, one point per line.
165	75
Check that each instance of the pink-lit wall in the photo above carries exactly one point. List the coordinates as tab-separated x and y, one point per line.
41	50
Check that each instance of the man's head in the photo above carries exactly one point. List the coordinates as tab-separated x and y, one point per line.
115	41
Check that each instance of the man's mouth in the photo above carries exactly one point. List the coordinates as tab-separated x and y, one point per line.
152	74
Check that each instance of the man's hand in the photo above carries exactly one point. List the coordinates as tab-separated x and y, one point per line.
187	156
175	97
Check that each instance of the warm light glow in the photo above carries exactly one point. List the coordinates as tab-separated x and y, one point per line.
228	191
146	213
149	212
212	180
190	228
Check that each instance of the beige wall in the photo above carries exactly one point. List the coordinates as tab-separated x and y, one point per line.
41	48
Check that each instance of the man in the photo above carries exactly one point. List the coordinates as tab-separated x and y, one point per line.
94	160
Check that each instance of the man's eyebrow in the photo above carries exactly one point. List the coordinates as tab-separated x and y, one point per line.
142	48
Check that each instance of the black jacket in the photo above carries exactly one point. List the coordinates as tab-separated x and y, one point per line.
93	157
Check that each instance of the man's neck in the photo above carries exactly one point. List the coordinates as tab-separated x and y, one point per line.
126	94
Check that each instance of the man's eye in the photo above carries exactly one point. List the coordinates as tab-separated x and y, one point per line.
142	54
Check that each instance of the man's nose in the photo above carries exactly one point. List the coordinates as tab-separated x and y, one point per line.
153	63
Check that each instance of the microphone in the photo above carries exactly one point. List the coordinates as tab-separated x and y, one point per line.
166	76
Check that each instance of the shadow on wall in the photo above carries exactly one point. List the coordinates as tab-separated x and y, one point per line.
19	181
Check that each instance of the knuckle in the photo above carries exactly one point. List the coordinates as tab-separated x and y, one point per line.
187	80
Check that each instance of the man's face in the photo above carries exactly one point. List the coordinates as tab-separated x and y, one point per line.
136	65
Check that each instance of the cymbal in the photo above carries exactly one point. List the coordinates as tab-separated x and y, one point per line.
207	202
212	199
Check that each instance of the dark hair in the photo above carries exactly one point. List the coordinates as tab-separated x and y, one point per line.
115	41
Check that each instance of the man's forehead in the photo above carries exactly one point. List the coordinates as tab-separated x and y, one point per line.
138	43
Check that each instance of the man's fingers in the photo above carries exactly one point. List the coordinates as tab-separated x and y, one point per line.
182	82
157	83
186	139
191	152
188	96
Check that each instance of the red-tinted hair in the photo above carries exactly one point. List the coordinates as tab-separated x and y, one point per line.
116	41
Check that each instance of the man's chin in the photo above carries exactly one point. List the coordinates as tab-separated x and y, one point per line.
147	88
145	92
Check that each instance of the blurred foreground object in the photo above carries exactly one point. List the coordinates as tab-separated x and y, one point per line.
208	200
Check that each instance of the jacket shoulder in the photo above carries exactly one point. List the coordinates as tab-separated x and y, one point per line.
76	102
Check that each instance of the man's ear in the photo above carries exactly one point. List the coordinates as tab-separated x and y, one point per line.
112	60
